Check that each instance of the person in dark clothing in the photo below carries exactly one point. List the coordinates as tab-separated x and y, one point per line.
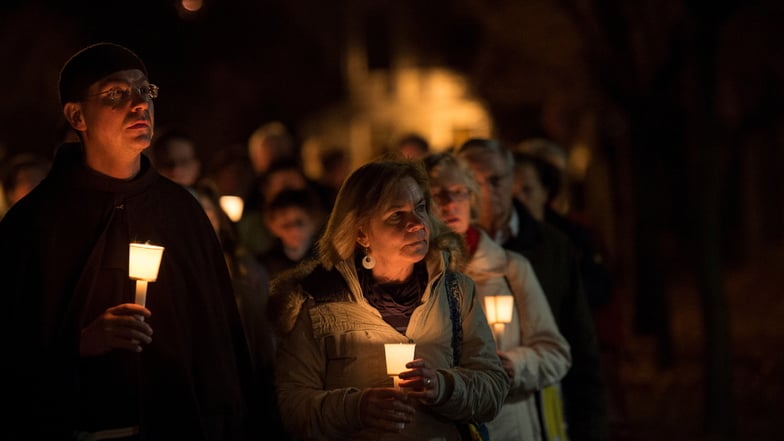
18	176
553	258
539	185
541	182
84	361
249	278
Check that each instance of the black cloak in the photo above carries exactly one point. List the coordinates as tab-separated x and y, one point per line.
64	260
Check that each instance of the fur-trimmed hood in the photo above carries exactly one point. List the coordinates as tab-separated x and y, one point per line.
310	280
292	288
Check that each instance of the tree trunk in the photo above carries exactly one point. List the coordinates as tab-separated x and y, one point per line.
708	149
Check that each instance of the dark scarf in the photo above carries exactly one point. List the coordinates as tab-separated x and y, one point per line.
395	301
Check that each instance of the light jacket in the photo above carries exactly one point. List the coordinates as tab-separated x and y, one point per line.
332	347
539	353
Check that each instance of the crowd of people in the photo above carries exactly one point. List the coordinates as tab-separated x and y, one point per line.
273	324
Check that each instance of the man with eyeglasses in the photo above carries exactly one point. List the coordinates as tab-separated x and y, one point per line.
554	261
81	358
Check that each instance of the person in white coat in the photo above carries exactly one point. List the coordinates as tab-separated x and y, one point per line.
533	352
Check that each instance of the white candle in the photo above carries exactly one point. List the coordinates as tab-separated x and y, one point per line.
233	206
141	292
498	333
397	355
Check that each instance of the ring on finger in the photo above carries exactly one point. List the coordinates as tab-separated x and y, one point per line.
428	381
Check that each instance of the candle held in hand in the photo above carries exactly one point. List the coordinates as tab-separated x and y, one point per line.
144	260
397	355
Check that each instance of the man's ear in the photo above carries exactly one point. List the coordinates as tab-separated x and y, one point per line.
73	114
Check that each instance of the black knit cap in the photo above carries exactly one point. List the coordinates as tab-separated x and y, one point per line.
91	64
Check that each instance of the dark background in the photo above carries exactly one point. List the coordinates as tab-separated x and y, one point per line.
685	99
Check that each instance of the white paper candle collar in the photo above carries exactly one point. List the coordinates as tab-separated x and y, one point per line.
144	261
397	355
499	308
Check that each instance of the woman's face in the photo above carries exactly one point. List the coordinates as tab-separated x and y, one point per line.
398	235
451	197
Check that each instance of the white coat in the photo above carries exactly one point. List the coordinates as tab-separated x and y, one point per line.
539	353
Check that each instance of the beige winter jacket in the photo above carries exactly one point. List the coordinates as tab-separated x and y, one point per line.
538	351
331	348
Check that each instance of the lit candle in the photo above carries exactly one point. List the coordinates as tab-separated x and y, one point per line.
143	263
398	354
498	310
233	206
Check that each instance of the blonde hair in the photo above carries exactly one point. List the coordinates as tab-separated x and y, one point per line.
436	162
363	195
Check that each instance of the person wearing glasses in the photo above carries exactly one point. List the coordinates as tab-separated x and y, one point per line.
533	352
554	260
82	359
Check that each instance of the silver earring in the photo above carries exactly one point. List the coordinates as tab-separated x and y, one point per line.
368	262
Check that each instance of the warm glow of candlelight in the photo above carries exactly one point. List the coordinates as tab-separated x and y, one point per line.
192	5
498	309
398	354
233	206
144	261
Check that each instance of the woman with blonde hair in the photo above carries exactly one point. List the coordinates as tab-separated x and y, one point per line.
384	274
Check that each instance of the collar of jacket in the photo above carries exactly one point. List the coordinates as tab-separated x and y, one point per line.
529	234
310	280
69	166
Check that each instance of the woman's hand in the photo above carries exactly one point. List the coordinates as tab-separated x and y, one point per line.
422	380
119	327
385	409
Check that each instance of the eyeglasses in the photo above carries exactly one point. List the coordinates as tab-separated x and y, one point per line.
447	196
117	95
496	181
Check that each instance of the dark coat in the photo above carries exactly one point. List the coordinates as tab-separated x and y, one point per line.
554	260
595	276
64	260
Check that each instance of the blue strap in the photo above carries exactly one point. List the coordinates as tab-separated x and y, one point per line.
454	314
468	431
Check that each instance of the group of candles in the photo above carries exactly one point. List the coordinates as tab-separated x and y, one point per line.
145	260
498	310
